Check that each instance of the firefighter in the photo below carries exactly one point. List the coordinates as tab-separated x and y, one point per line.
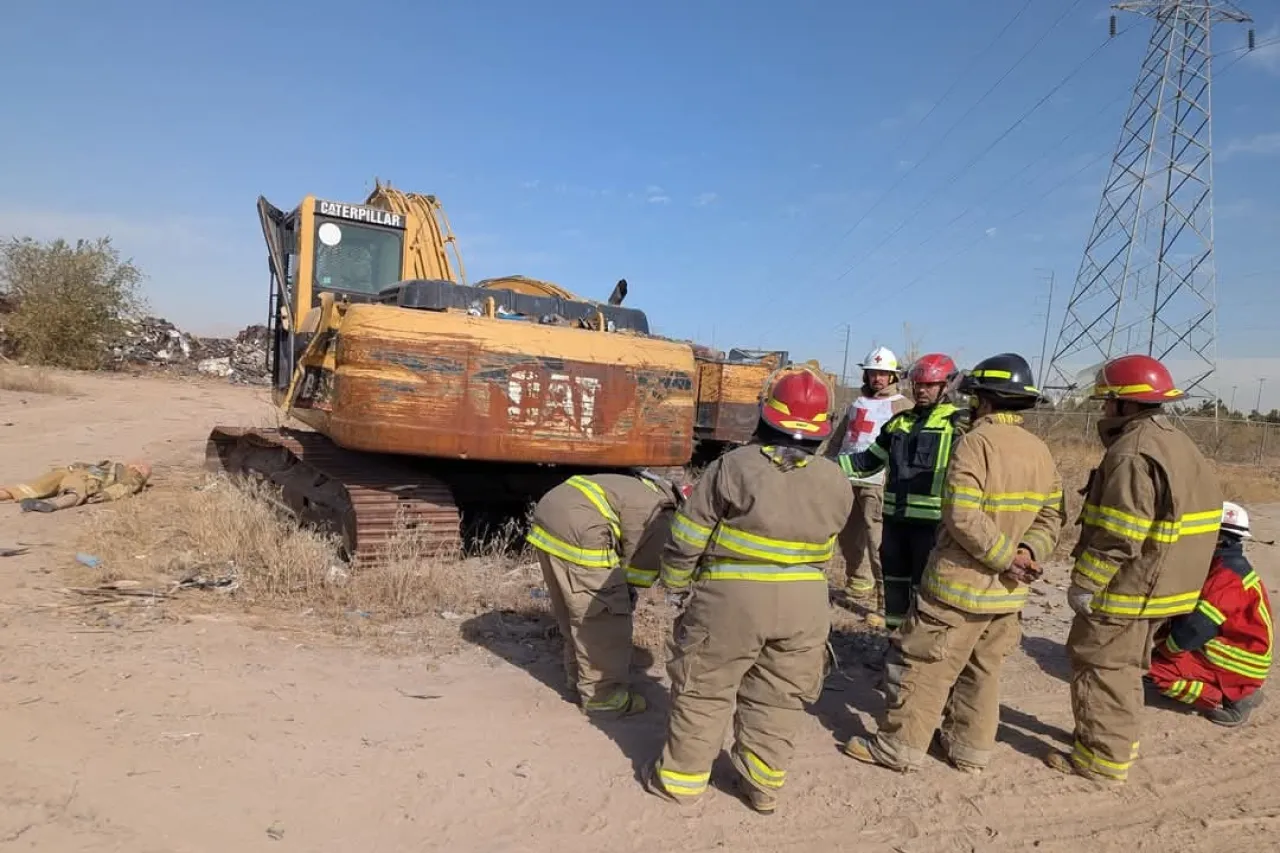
79	483
1148	530
745	563
915	447
859	542
598	537
1002	513
1217	657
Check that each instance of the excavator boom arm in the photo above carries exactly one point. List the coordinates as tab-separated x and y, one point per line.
429	234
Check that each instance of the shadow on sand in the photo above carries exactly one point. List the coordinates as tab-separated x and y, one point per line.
530	640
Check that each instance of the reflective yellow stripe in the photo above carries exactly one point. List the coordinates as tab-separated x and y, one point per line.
1237	660
689	532
1000	554
596	495
683	784
972	599
1141	607
761	773
781	551
592	558
969	498
721	570
1215	615
1184	691
641	577
1097	569
1086	759
675	578
1039	542
1141	529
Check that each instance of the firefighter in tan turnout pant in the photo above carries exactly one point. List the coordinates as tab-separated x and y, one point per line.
859	541
1002	511
1149	527
751	543
597	536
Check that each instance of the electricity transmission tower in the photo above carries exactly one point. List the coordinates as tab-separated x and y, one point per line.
1147	282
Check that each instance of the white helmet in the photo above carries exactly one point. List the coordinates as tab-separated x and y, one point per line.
1235	520
881	358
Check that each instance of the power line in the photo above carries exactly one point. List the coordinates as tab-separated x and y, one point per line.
978	240
1004	135
947	133
1046	155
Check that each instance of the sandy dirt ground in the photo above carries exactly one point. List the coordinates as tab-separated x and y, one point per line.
203	733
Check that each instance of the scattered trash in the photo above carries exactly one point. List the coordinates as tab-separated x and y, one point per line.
409	695
155	342
275	832
13	552
88	560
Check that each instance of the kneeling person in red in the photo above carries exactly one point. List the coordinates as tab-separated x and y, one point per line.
1217	657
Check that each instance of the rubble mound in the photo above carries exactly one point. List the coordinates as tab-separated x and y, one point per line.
156	343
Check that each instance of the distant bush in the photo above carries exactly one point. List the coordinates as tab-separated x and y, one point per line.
70	303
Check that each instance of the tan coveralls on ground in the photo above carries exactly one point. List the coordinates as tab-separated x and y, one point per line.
1149	526
81	482
596	536
1002	492
860	539
752	541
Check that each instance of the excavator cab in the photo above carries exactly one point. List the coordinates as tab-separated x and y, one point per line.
353	251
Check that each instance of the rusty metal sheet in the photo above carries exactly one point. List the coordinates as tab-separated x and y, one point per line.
728	404
453	391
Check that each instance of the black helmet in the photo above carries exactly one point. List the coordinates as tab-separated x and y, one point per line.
1005	377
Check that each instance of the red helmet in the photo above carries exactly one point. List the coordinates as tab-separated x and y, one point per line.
799	404
934	367
1140	378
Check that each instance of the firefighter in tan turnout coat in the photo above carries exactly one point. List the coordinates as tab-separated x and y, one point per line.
597	537
1149	527
1002	511
748	550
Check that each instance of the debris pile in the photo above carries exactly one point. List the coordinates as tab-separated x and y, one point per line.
155	342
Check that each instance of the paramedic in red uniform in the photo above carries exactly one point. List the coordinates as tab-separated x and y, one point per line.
1217	657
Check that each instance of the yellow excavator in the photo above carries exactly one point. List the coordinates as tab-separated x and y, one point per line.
435	404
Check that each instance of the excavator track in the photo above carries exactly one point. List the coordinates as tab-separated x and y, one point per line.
360	497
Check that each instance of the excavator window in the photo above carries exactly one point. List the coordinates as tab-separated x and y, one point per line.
355	259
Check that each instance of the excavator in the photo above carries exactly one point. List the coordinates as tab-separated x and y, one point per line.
436	405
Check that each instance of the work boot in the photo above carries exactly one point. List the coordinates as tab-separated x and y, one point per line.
635	704
1062	762
860	748
649	779
1232	714
942	749
761	802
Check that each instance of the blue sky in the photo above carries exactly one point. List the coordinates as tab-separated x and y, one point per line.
717	154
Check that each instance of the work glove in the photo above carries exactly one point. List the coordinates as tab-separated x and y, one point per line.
1080	600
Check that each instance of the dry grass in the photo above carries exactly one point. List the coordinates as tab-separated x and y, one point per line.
33	380
234	538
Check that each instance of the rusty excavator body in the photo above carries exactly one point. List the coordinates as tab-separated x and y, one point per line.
437	405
